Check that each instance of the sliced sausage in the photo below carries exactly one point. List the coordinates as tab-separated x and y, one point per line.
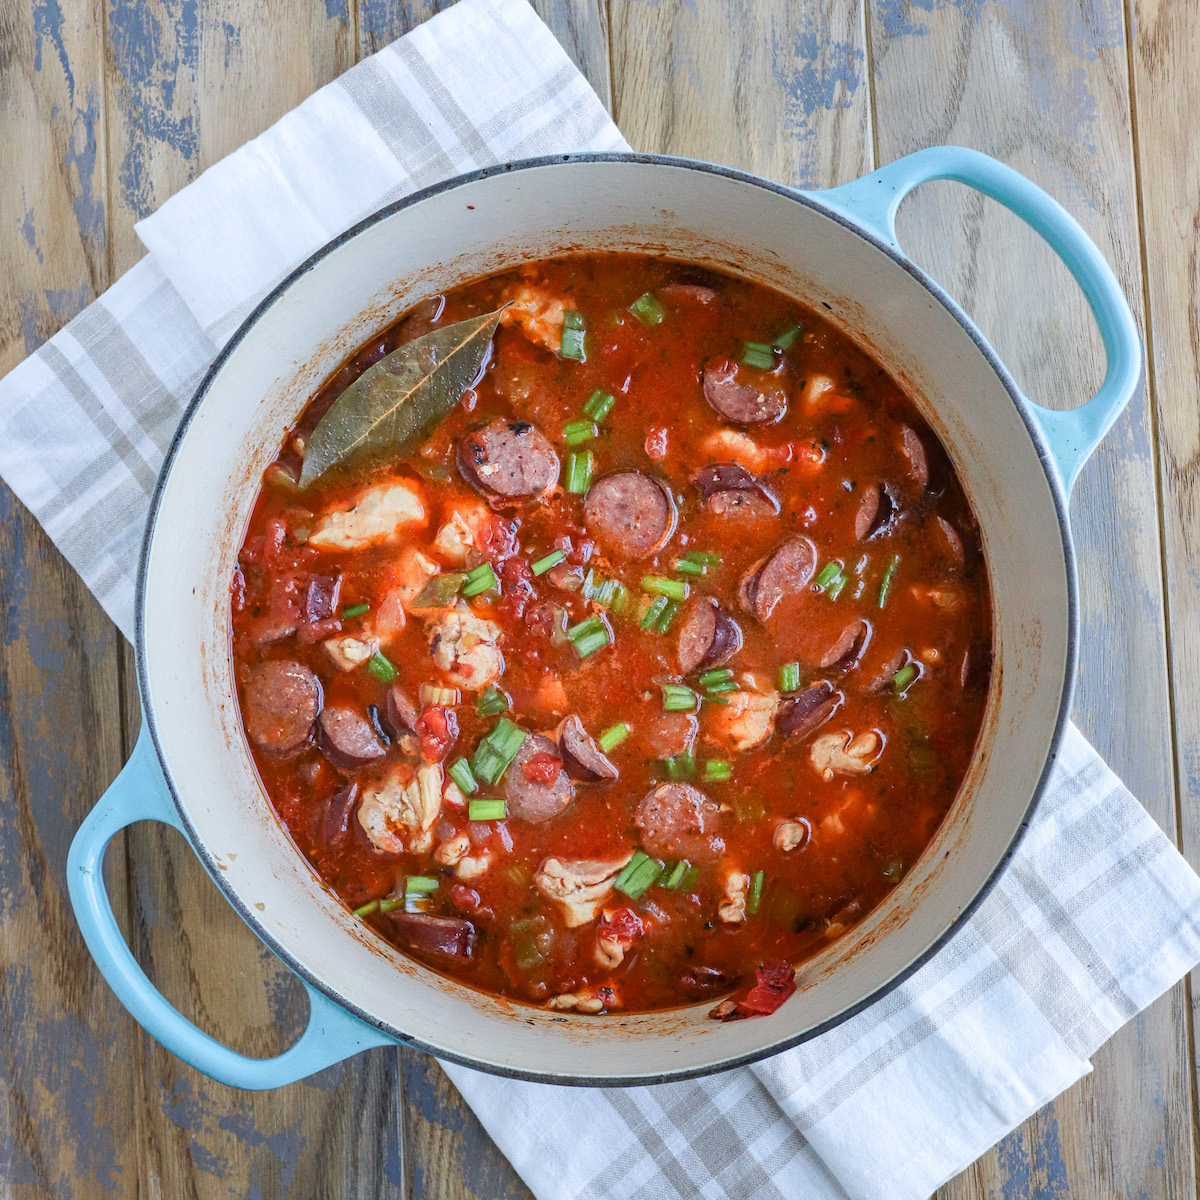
729	489
280	704
347	739
321	597
804	713
671	733
951	541
528	799
876	511
708	636
631	514
741	401
508	459
679	821
914	451
976	667
847	650
786	571
443	937
885	677
687	293
582	758
336	820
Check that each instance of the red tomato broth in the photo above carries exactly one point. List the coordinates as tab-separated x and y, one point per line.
867	830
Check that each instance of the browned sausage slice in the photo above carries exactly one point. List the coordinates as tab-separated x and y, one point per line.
530	799
951	541
442	937
679	821
876	511
804	713
708	636
729	489
671	733
402	710
280	704
731	392
337	814
847	650
508	459
918	460
321	597
347	739
631	514
786	571
582	758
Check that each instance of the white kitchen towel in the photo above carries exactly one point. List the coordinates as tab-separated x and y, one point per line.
1096	915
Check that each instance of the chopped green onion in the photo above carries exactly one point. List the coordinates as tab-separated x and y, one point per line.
718	675
719	689
460	772
572	335
492	701
388	903
653	612
680	766
381	668
717	770
756	889
689	880
904	676
686	567
835	588
666	617
648	309
551	560
599	405
827	574
705	558
678	698
367	909
579	472
480	579
416	902
421	883
494	754
789	677
678	874
589	636
760	355
440	591
585	627
785	337
434	693
610	739
659	585
575	433
639	873
888	575
614	595
486	810
355	610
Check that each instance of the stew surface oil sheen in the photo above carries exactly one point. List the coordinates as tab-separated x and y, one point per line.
684	589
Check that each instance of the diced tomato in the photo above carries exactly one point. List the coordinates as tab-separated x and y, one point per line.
438	730
580	555
542	768
775	981
465	899
275	531
623	926
517	588
656	443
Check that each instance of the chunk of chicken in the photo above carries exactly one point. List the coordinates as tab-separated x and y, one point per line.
732	908
453	850
841	753
350	652
610	951
378	515
538	315
747	720
464	646
402	803
580	886
471	866
460	533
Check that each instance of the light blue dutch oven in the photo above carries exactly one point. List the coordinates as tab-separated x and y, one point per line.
837	249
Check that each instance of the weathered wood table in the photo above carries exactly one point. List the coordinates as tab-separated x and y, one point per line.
108	106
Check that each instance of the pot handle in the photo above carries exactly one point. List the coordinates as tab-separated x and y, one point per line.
140	793
1072	434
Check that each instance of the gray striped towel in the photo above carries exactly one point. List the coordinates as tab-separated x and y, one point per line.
1096	915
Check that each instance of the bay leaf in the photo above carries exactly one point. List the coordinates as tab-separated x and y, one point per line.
400	400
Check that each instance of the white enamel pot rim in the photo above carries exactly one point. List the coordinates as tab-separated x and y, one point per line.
372	995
